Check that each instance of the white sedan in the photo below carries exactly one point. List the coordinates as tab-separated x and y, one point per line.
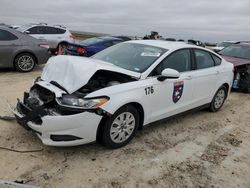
111	95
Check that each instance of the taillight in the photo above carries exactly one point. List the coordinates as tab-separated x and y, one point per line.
44	46
80	50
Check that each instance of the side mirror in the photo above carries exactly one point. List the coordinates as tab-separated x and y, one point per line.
27	32
168	74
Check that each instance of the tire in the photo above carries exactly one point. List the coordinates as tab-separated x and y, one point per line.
219	99
24	62
115	133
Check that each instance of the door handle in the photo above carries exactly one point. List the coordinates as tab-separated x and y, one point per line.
188	78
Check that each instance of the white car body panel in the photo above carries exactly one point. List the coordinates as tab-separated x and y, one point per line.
199	87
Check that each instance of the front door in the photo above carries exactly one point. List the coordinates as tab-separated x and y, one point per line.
172	96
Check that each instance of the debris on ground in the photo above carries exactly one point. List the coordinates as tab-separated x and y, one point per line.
215	153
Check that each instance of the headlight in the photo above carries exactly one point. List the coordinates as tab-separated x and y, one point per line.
74	102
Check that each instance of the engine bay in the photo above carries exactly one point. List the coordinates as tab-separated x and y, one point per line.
102	79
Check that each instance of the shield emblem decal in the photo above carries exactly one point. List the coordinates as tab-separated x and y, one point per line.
178	90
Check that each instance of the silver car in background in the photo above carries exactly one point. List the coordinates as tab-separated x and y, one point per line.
54	35
21	51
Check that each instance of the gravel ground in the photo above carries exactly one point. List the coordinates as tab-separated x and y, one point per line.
200	149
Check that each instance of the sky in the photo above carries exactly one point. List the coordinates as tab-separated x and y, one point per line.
206	20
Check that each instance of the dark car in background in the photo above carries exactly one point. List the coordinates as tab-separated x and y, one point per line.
220	46
239	56
90	46
21	51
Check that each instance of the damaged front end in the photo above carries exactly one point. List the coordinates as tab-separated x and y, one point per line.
57	116
58	108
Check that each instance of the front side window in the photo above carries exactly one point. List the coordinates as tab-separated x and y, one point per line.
131	56
6	36
203	59
179	60
36	30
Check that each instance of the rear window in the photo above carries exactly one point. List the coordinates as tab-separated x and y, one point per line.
6	36
91	41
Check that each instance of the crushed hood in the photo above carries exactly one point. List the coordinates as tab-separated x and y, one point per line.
73	72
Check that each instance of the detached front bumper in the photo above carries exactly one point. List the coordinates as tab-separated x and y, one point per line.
59	130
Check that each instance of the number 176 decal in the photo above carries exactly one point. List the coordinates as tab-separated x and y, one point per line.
149	90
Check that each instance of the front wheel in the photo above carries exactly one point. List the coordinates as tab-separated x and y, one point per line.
219	99
120	128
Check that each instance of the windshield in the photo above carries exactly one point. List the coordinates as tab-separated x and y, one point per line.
131	56
237	51
91	41
224	44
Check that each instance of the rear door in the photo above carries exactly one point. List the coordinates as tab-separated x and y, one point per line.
205	77
54	36
8	45
37	32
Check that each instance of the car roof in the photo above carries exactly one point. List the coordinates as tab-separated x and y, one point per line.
243	44
230	41
165	44
26	26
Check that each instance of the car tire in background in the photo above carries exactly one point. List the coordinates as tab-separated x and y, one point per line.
24	62
219	99
119	129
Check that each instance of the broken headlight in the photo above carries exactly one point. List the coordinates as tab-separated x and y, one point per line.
75	102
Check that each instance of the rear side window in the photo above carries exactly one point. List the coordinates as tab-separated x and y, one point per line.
203	59
217	60
6	36
60	31
54	30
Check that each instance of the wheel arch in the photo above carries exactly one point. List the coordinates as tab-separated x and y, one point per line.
62	42
138	107
226	85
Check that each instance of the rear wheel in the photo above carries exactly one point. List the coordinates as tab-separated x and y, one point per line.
219	99
120	128
24	62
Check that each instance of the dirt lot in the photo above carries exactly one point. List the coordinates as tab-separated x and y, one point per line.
200	149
